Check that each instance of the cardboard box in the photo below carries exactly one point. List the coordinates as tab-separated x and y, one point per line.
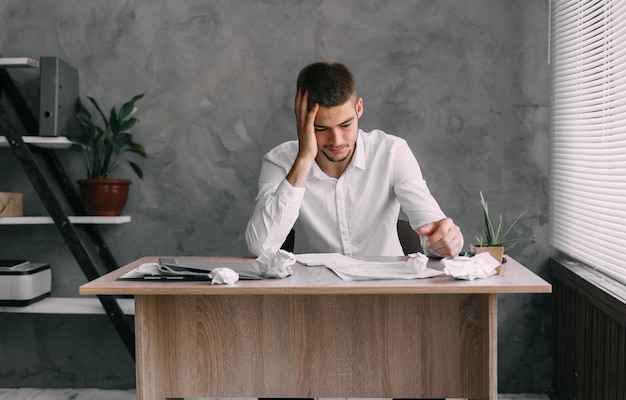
11	204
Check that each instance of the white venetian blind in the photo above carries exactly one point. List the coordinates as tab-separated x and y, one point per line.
588	202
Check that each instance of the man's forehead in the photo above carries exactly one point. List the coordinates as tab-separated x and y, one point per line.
329	116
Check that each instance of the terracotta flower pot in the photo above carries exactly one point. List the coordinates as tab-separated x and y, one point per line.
496	252
104	197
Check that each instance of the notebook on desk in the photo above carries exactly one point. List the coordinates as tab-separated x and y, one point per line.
178	269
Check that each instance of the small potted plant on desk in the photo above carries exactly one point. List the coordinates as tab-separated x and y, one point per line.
496	238
101	145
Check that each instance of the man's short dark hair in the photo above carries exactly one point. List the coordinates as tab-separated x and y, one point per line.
328	83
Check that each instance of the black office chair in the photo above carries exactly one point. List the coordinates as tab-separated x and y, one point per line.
289	242
409	239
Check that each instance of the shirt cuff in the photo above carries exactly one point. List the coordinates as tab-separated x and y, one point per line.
288	194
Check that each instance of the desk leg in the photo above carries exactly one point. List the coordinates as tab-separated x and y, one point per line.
491	342
147	363
488	334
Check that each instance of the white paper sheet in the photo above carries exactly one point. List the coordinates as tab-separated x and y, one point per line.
380	270
323	259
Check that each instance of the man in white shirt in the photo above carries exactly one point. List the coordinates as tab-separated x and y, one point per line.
341	188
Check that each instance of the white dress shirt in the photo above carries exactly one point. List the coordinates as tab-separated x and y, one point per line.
355	214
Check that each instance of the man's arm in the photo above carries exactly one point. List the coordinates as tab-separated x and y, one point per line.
440	236
279	199
277	208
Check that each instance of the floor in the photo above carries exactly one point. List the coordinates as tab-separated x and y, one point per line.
97	394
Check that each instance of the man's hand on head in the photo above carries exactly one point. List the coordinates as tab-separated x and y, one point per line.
305	119
444	237
307	141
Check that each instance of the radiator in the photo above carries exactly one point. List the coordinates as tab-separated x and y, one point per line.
589	333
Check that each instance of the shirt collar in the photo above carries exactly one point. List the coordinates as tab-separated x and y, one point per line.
359	155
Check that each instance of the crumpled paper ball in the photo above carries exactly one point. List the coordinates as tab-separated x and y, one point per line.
276	265
418	261
223	276
481	265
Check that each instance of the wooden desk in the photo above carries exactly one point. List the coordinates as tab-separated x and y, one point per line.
314	335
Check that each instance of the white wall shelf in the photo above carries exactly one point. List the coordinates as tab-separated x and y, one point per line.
48	142
18	62
43	220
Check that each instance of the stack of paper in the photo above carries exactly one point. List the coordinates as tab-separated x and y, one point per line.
352	269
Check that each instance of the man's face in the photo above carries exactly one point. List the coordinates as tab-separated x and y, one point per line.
336	130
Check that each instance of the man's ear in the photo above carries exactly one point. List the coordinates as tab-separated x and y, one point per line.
359	107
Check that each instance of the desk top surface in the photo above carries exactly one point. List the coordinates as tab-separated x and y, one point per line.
514	278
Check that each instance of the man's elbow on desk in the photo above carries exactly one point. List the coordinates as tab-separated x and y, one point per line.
253	241
257	245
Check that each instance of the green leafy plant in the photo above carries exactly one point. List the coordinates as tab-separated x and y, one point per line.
496	236
102	143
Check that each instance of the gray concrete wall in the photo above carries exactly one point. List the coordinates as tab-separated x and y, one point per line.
466	83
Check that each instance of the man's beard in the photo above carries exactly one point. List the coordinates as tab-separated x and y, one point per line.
329	158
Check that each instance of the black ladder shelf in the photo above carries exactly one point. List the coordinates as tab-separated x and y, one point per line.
26	156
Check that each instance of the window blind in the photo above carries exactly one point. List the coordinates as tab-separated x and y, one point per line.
588	164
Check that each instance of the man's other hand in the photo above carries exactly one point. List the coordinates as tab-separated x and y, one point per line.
444	237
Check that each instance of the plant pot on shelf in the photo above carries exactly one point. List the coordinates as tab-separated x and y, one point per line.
104	197
102	140
496	252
